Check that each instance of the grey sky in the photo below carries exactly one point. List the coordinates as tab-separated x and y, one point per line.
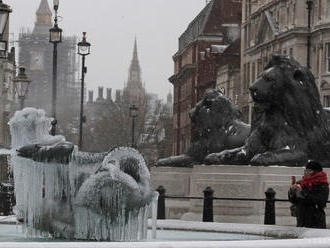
111	26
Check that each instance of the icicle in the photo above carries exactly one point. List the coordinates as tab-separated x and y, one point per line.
154	206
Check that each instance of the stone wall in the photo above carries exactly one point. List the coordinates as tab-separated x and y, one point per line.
227	181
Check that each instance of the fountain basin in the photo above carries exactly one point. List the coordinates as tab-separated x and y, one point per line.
176	233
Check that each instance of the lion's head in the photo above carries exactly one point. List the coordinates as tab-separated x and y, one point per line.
286	98
287	87
214	111
216	125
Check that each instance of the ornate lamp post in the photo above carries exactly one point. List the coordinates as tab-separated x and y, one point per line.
55	37
84	49
4	16
21	84
133	113
309	4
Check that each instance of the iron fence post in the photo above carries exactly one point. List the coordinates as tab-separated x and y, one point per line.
161	203
208	205
270	207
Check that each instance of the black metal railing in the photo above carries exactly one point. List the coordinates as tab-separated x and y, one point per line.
208	199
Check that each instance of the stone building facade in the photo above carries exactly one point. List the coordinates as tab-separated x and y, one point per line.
228	71
194	64
7	97
281	26
7	91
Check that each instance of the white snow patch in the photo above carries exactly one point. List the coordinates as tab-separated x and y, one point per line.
5	152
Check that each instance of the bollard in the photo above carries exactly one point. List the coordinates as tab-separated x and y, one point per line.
270	207
208	205
6	196
161	203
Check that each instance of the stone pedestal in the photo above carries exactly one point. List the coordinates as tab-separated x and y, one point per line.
227	181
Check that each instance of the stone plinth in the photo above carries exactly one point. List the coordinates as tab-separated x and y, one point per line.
227	181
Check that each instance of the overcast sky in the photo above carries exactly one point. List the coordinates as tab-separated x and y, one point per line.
111	26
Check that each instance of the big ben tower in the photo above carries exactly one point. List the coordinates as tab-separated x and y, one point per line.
36	54
134	92
44	19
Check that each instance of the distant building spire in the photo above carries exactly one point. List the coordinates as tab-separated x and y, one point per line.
134	92
134	75
43	18
135	54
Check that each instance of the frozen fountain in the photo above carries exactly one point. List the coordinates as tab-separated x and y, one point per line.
69	194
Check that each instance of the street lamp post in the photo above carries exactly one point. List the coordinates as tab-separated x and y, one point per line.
21	84
5	10
83	50
133	113
55	37
309	4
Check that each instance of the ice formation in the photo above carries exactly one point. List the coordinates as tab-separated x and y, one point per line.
93	196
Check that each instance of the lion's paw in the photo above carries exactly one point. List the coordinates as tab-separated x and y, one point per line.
267	158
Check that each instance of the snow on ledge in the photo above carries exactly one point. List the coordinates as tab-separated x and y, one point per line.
11	219
252	229
5	151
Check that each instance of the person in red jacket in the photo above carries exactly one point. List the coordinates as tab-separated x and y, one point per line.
310	196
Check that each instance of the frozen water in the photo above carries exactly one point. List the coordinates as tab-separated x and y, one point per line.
94	196
31	126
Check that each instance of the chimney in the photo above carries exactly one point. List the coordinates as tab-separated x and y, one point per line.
109	92
100	96
118	95
90	96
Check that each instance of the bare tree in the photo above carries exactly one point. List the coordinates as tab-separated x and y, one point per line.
109	125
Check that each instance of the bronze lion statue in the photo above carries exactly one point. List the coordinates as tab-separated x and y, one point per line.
217	126
289	125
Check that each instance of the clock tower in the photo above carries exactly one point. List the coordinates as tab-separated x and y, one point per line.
36	54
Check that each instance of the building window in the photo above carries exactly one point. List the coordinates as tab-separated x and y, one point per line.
288	15
317	60
253	72
294	15
291	51
326	101
247	75
248	9
259	68
320	9
328	57
328	8
245	38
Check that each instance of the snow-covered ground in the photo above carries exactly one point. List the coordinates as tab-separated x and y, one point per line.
284	243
